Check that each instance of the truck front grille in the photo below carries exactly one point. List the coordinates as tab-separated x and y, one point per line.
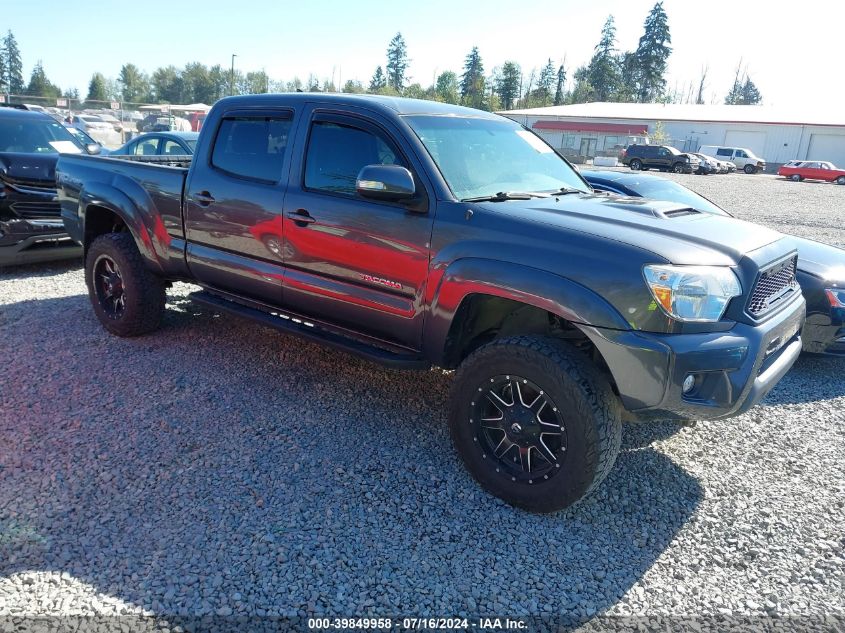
773	287
36	210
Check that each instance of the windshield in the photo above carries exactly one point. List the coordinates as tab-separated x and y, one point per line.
482	157
673	192
37	136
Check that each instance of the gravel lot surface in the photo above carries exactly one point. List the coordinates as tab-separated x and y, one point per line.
216	467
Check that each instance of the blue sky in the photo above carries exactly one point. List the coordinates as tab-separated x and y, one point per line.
786	49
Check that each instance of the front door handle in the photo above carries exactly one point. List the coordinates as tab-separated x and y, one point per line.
301	217
203	198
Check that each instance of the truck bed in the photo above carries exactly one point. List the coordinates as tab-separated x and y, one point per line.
153	184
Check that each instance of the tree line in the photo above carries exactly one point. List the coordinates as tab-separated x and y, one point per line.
610	75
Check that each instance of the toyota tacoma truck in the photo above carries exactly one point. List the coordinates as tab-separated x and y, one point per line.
419	234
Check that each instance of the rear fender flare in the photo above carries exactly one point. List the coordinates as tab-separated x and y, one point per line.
131	203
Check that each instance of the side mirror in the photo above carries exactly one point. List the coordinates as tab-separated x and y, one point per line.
93	148
385	182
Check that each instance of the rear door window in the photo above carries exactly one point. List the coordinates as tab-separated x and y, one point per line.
252	147
724	152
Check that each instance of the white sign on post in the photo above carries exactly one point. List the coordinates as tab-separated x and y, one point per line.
61	103
115	105
2	98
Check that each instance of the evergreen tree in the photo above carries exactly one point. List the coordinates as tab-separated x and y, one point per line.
97	88
446	87
583	92
561	82
507	84
472	80
134	85
652	55
603	70
543	93
4	80
197	85
378	81
353	86
397	63
166	84
629	77
39	85
743	91
14	67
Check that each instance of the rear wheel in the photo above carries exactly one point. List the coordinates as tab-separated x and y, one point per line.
796	178
534	422
840	180
750	169
127	297
636	164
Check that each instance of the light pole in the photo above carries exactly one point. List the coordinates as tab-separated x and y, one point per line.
232	76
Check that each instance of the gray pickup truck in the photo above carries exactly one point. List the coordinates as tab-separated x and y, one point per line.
415	233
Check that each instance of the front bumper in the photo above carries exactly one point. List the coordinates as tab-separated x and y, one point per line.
733	370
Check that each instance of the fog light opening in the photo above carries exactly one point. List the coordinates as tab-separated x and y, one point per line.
689	383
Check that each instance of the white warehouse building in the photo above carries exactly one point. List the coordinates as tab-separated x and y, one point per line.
774	133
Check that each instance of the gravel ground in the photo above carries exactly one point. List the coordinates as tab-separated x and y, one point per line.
216	467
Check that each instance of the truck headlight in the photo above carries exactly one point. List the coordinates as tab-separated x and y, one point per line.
692	293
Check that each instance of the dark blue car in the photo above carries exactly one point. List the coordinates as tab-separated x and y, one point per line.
821	267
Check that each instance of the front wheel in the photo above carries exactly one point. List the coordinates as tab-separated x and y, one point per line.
127	297
840	180
636	164
534	422
750	169
796	178
678	168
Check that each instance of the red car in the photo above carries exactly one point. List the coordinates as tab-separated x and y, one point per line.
798	170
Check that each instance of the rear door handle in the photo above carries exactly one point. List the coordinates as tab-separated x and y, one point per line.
203	198
301	217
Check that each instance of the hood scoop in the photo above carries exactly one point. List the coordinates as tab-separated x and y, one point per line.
677	213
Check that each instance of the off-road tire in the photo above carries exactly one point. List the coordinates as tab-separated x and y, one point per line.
590	411
144	292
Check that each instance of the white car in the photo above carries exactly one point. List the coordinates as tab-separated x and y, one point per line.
101	131
742	157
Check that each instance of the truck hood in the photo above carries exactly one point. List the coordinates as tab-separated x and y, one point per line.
672	231
820	260
35	170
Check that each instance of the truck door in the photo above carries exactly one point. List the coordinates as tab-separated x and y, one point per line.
350	260
233	204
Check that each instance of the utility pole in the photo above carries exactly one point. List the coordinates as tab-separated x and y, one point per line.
232	76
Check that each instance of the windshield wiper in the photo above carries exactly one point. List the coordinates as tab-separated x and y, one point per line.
506	195
565	190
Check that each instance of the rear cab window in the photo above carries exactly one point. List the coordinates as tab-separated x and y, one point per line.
252	146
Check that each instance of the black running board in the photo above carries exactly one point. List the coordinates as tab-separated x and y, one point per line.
307	329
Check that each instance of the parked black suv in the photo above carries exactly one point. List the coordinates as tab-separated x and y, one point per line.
662	157
31	228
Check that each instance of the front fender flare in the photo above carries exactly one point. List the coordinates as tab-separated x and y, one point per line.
567	299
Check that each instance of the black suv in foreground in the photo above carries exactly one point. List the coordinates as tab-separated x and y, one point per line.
31	228
662	157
